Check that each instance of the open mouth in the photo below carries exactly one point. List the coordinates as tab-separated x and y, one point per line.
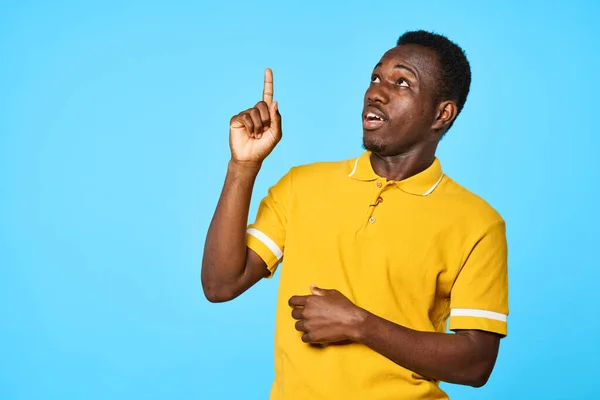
373	119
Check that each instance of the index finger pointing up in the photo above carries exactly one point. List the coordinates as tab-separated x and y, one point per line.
268	90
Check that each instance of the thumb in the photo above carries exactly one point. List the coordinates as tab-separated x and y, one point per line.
275	118
318	291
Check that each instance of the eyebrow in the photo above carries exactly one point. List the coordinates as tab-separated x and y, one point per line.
399	66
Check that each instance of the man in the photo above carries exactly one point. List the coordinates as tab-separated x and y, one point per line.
379	251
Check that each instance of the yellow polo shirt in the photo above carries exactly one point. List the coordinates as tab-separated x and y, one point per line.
415	252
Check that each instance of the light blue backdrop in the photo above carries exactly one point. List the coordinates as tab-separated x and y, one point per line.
113	148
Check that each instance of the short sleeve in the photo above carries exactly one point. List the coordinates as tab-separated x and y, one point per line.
266	236
479	297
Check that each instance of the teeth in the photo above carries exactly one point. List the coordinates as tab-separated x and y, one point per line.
373	116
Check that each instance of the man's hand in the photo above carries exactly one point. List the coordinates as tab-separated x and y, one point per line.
254	133
326	316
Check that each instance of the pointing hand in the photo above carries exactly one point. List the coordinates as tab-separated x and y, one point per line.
255	132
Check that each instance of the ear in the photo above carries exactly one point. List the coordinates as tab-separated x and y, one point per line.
445	114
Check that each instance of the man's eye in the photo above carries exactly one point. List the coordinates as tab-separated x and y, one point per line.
402	82
375	79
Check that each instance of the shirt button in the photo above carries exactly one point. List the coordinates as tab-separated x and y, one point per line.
379	200
378	184
372	220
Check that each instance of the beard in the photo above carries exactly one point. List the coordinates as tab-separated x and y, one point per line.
374	146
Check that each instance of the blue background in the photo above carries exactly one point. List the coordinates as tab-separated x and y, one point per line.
113	149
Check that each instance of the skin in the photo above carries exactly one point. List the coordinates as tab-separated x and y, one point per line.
403	87
403	93
229	268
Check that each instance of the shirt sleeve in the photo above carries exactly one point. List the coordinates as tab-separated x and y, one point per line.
479	297
266	236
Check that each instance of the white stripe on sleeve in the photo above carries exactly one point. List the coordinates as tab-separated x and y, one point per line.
267	241
470	312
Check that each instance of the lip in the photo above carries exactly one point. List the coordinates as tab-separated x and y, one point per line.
373	124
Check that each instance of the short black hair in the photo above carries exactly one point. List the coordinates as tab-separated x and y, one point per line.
455	72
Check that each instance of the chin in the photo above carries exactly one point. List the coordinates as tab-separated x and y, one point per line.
373	145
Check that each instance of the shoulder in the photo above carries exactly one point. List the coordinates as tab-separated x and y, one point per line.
467	205
322	171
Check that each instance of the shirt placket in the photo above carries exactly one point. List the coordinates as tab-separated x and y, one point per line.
370	220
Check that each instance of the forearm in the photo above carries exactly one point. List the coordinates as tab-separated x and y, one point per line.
225	249
455	358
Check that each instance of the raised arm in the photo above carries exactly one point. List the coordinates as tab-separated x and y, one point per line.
229	268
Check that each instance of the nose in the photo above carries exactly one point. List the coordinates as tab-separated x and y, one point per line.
376	93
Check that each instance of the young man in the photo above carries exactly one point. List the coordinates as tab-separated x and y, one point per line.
379	251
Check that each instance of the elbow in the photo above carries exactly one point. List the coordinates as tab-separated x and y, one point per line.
479	360
475	375
479	377
214	291
478	382
217	294
214	296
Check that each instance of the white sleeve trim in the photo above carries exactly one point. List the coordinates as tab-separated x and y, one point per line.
267	241
470	312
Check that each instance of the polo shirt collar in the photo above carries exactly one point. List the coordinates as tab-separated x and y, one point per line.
421	184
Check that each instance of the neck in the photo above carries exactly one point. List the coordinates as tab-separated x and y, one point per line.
401	166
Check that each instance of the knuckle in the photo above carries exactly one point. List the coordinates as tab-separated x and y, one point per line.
263	108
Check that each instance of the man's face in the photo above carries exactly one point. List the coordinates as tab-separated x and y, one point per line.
399	107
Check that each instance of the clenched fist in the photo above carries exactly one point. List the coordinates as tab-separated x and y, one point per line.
254	133
326	316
